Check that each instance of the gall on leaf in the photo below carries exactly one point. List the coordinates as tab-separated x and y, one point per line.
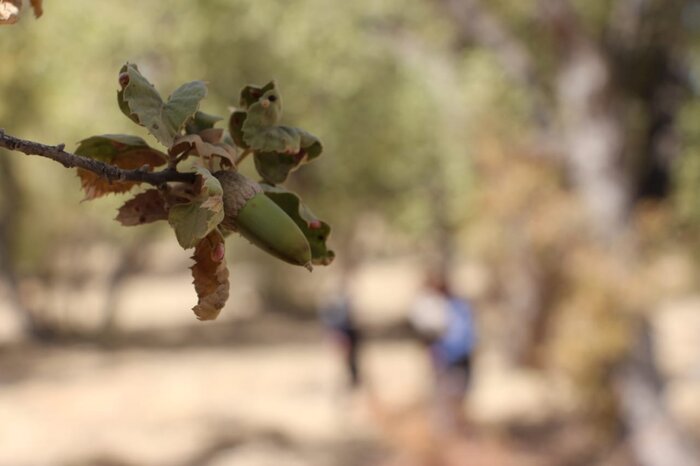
123	151
279	149
210	276
123	80
146	207
251	94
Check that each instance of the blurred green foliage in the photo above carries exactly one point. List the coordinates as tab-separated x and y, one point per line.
339	66
369	78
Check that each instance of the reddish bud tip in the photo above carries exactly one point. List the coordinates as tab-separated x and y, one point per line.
315	224
218	253
124	80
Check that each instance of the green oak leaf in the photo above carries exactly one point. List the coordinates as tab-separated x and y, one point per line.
211	186
315	230
121	150
200	122
258	129
282	139
274	167
141	102
235	127
264	113
194	220
251	94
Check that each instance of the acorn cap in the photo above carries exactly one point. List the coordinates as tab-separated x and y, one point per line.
238	190
257	218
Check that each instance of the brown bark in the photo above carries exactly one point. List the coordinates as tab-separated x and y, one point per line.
110	172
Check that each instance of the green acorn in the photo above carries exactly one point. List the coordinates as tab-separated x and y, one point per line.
257	218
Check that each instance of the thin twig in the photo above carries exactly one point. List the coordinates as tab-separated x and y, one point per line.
242	157
101	169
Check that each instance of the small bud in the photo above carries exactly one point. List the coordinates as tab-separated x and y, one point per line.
124	79
315	224
218	253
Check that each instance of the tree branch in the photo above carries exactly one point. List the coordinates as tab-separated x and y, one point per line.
101	169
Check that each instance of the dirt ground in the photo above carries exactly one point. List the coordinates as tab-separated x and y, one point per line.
278	403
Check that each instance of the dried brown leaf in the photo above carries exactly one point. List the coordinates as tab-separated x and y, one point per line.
146	207
96	186
206	150
211	135
210	276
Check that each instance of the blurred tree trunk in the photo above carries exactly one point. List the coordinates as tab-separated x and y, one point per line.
10	205
614	96
653	434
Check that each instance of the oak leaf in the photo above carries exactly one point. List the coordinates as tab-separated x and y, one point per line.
315	230
120	150
139	100
210	276
195	220
146	207
202	145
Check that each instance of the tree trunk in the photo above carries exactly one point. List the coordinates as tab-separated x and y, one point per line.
654	436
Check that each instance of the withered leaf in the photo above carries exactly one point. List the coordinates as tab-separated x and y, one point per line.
194	143
210	276
146	207
123	151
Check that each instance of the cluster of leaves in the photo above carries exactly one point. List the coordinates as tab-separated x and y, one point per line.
10	10
193	144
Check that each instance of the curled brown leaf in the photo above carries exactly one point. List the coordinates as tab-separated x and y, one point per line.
210	276
146	207
194	143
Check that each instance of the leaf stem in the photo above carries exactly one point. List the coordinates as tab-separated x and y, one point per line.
242	157
101	169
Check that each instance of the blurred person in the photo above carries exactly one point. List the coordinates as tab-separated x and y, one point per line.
338	318
445	324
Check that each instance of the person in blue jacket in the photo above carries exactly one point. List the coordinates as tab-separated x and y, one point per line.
445	323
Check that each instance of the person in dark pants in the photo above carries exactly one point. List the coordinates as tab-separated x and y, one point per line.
337	317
